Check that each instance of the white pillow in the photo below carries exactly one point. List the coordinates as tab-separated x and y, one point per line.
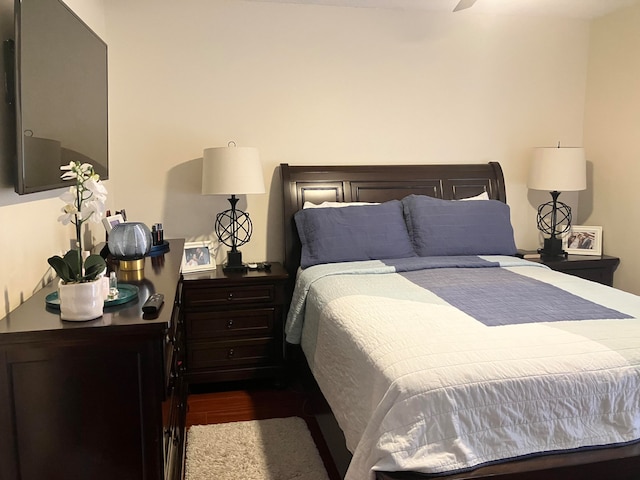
335	204
481	196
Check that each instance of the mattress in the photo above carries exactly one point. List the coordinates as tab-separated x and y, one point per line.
441	365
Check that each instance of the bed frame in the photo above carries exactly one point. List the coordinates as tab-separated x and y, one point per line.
379	183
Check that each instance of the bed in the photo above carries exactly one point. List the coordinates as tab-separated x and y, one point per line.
437	363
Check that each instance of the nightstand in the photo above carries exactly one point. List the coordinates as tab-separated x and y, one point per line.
234	324
591	267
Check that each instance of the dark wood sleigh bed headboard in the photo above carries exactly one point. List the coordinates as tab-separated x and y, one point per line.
378	183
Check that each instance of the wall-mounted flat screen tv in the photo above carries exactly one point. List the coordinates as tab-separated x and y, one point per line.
60	94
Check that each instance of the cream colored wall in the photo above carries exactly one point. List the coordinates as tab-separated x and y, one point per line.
612	139
318	85
305	84
30	232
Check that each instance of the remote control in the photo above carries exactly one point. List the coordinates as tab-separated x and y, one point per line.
153	303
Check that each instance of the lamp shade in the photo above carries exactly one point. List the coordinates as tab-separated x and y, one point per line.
561	169
231	170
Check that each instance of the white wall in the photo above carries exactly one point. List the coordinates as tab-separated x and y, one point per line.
318	85
306	84
612	139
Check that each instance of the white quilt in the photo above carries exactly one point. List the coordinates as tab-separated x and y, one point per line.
416	384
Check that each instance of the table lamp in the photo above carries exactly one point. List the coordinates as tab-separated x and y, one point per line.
556	169
232	170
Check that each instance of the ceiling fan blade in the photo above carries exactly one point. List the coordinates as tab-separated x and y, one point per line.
463	4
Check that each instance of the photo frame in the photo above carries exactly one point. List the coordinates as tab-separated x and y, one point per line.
112	220
583	240
198	256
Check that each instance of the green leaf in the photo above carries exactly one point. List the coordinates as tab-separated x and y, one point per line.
62	268
72	259
94	265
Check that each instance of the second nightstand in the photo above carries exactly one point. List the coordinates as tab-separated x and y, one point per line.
596	268
234	324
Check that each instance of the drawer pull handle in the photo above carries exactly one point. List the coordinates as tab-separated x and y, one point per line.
230	296
230	323
230	354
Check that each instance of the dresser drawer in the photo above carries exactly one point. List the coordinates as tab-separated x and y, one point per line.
230	323
220	296
253	351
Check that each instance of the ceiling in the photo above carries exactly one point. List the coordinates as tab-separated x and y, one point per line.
584	9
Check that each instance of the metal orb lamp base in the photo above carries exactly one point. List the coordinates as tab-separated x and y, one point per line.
234	263
554	219
552	248
233	228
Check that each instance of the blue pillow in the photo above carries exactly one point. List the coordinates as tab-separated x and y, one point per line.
446	227
348	234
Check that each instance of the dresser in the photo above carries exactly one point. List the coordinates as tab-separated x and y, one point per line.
103	399
234	324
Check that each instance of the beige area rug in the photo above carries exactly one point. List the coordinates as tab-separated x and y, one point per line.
274	449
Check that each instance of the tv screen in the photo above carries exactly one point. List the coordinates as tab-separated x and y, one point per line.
60	94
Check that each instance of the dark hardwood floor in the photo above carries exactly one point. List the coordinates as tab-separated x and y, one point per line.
234	402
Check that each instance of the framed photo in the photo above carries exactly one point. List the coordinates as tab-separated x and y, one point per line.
112	220
198	256
583	240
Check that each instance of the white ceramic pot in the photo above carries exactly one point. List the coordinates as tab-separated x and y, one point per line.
81	301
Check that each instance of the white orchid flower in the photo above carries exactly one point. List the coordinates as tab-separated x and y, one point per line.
97	188
86	199
93	211
87	213
85	168
100	208
71	171
69	213
69	176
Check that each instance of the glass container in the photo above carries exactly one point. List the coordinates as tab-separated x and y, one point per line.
130	242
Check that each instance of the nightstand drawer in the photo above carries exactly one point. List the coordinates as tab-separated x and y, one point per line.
231	323
233	353
207	297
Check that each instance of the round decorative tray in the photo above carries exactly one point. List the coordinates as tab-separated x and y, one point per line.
159	249
126	293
